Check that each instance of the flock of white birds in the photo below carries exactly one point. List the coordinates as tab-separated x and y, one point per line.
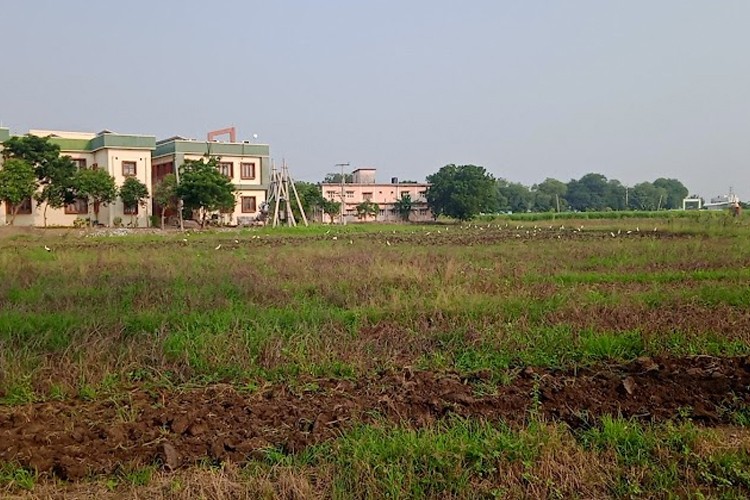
520	230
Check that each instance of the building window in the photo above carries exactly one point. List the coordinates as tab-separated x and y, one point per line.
128	169
24	209
367	196
130	210
247	171
248	204
331	194
162	170
350	194
80	206
226	168
80	163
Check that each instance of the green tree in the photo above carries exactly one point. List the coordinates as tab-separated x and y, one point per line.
57	187
549	195
97	187
615	196
165	195
675	192
17	184
38	152
54	173
202	187
461	191
404	206
133	194
367	209
646	196
331	208
518	198
310	197
590	192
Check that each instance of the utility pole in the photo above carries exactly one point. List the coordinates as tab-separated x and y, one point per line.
343	194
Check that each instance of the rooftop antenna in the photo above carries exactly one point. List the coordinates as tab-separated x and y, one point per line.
279	196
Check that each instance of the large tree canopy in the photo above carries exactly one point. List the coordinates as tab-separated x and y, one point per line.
54	173
675	192
38	152
514	196
549	195
461	191
203	187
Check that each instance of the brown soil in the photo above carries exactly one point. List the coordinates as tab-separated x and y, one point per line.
76	438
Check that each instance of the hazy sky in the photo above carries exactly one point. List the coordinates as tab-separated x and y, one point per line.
634	89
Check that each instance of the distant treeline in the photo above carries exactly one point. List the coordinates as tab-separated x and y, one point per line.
592	192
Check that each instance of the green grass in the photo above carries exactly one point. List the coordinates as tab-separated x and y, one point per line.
98	314
279	305
14	477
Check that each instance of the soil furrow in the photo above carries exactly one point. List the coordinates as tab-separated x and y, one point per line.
72	439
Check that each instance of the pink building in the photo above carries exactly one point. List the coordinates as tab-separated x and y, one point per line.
364	188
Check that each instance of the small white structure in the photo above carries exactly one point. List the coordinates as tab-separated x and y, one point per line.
693	202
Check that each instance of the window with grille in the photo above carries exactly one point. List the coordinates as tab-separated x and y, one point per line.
247	171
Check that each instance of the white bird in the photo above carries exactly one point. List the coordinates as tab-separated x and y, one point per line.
184	240
236	241
629	232
637	229
335	238
47	248
218	246
613	234
387	242
654	229
619	231
351	242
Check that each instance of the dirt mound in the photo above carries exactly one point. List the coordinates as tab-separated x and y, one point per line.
77	438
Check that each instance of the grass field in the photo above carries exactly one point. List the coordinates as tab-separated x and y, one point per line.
506	358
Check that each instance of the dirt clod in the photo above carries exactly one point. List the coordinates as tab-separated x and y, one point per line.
629	385
171	457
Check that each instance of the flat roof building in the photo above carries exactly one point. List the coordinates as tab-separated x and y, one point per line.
121	155
245	163
365	188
